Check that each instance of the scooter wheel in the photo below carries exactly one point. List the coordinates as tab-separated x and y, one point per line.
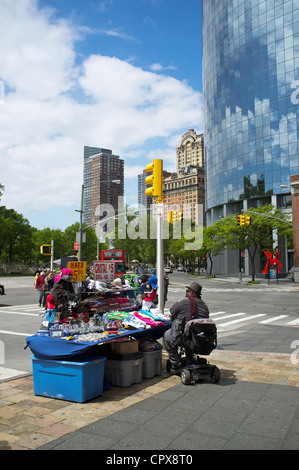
215	375
186	377
168	366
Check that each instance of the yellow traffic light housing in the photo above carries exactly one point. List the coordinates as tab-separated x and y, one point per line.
247	220
241	219
155	179
170	217
46	250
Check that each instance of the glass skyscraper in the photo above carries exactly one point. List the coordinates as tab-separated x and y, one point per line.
251	102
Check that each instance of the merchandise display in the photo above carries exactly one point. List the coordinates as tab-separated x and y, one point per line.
98	314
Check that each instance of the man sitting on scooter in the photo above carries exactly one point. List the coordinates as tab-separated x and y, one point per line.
190	307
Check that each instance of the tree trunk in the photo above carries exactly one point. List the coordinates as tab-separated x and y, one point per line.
251	257
211	266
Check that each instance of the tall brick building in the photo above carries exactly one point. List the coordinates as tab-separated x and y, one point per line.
100	168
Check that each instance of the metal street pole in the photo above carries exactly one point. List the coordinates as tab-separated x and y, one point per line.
52	255
81	219
160	275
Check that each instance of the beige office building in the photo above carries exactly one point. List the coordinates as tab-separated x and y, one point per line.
190	150
187	185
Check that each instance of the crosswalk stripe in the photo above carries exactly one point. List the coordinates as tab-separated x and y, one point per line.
11	312
225	324
273	319
14	333
231	315
218	319
294	322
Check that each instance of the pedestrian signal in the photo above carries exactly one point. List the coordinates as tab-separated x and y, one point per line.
46	250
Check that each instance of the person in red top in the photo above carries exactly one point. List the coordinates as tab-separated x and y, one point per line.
38	286
150	292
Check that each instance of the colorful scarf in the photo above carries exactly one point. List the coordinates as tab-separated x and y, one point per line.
193	306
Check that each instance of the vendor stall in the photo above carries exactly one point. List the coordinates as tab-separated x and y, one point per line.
104	318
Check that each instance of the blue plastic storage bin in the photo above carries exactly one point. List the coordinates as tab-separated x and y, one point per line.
78	379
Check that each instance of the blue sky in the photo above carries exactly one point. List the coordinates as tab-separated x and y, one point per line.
118	74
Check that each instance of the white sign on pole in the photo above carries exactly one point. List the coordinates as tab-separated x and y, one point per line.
103	270
78	237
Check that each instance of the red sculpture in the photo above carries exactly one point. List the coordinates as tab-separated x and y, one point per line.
272	261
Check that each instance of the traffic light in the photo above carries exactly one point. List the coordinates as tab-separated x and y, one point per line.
179	216
247	220
155	179
46	250
241	219
175	216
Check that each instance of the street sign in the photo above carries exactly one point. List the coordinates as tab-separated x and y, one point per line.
103	270
76	246
78	269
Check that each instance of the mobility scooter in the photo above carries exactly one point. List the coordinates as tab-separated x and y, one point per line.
198	337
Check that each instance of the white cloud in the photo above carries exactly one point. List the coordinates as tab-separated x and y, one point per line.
53	108
37	55
115	33
158	67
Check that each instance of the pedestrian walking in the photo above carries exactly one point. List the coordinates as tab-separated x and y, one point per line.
40	286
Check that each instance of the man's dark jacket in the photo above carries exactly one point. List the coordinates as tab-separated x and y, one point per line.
180	310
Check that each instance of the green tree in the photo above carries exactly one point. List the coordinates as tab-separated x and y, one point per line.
258	236
16	237
45	237
215	240
1	190
89	247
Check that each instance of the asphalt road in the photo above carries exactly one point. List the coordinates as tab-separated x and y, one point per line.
249	318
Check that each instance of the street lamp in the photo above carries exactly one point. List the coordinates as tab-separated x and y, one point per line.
82	211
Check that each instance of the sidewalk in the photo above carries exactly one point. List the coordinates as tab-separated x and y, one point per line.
254	406
245	281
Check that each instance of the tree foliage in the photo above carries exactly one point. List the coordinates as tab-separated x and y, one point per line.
20	242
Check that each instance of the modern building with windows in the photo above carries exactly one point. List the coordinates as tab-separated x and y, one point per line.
101	168
250	62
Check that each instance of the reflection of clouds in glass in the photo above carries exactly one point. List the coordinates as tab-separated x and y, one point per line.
251	78
278	146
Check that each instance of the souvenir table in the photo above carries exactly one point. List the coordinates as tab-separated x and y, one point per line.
72	350
45	347
66	368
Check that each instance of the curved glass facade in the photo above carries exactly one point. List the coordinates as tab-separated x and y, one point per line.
251	98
